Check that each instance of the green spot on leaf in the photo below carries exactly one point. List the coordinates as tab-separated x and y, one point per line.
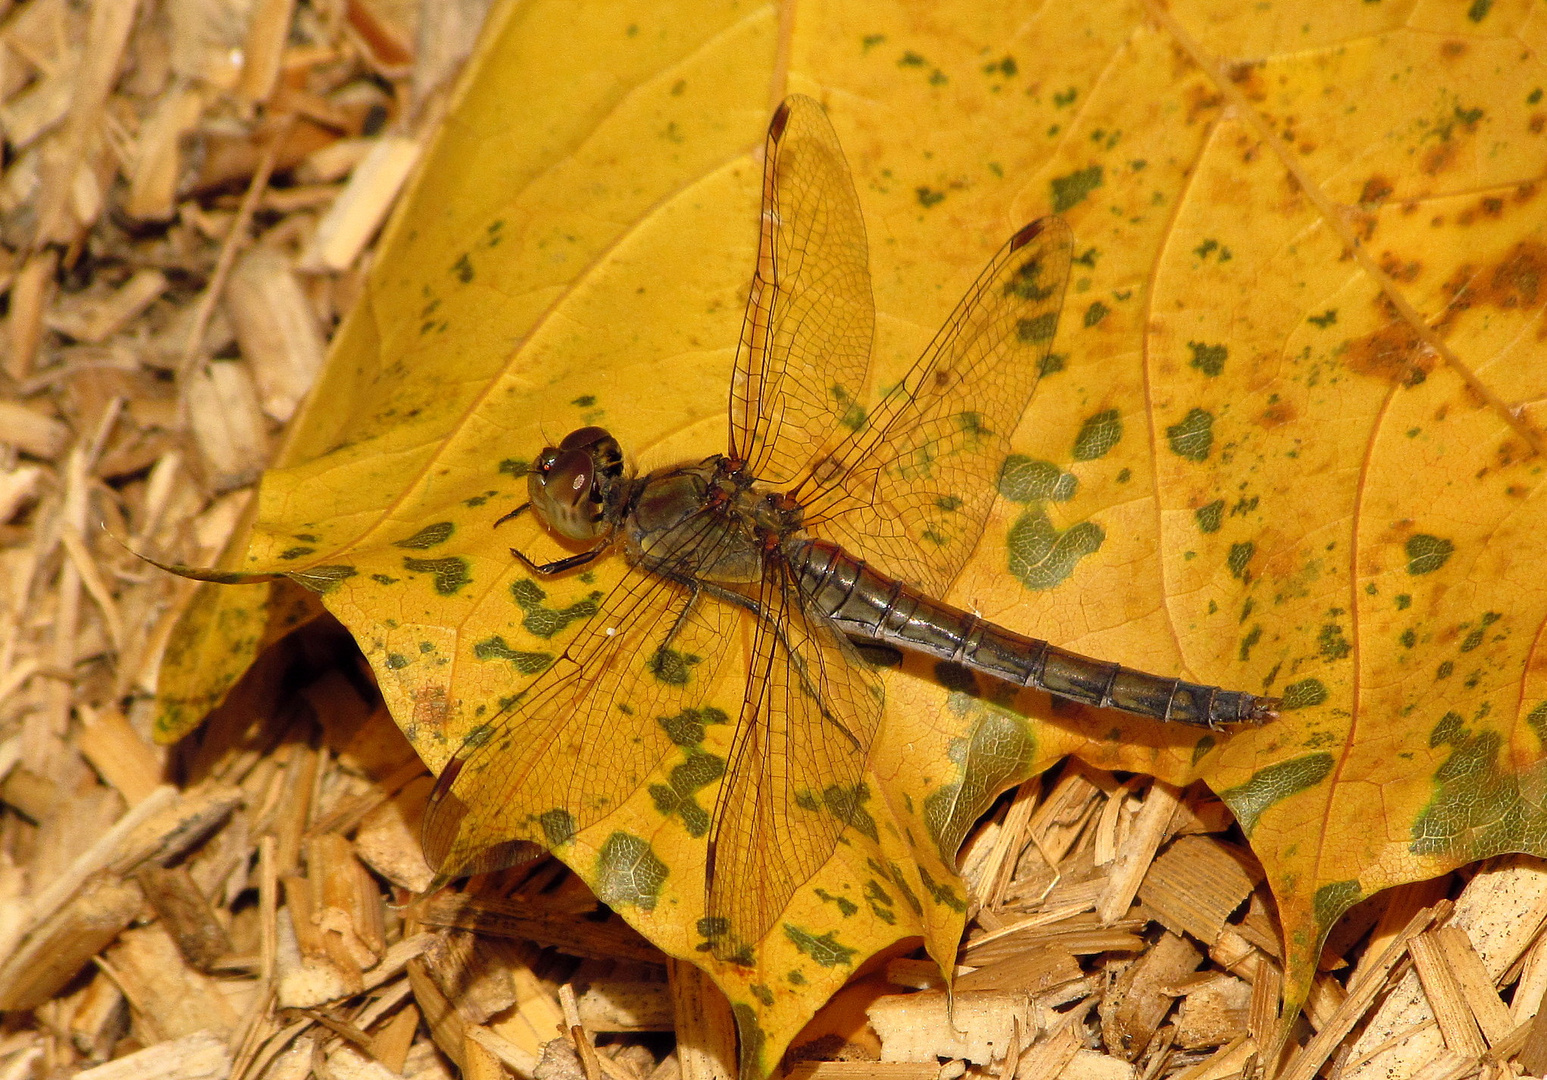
845	906
685	780
1095	313
1023	480
395	661
1273	784
558	826
428	536
1209	359
528	663
543	621
1041	557
449	574
1193	435
1038	329
996	750
1537	720
1303	694
941	892
322	579
1098	434
628	873
848	806
1071	190
1210	517
1334	898
824	950
295	552
1426	554
1240	555
673	667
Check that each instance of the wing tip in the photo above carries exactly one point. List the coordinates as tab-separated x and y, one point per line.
781	117
1031	230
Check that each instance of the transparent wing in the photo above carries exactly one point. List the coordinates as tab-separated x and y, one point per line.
805	343
592	727
911	490
795	778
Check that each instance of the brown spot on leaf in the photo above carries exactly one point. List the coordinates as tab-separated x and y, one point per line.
1453	50
1438	158
1525	192
1248	76
430	711
1200	102
1538	121
1394	353
1405	272
1280	412
1518	280
1377	189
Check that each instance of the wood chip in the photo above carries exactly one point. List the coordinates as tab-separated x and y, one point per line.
1214	1013
200	1056
276	329
1133	861
158	154
227	422
30	297
267	32
187	914
120	756
96	321
170	999
354	218
65	942
863	1070
975	1026
1131	1012
706	1029
1196	884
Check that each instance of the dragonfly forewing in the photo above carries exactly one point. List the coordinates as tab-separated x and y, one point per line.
805	343
911	489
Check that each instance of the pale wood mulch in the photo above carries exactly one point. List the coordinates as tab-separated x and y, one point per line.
189	194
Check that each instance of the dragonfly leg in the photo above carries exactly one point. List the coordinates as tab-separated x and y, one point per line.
558	566
517	512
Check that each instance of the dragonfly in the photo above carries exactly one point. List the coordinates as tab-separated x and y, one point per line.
821	530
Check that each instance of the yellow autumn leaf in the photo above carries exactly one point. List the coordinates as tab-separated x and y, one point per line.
1286	441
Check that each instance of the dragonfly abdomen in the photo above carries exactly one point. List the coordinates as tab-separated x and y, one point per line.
866	603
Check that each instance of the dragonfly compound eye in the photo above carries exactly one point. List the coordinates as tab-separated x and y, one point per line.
564	495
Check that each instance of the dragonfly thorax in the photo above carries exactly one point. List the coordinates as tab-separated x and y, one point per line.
572	485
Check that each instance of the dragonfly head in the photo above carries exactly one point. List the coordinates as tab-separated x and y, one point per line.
569	483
